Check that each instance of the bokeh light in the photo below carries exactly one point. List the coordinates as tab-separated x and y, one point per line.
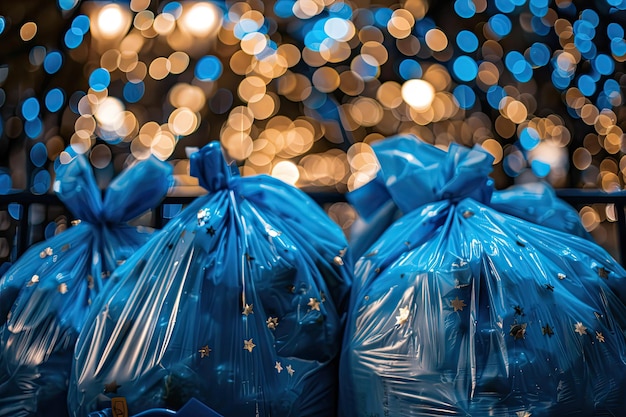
301	89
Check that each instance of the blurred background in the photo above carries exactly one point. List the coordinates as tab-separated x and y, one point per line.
299	89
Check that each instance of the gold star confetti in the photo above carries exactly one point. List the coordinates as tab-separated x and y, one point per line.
278	367
210	231
111	387
523	414
75	222
33	281
458	304
62	288
603	273
600	337
338	260
580	329
403	317
247	309
467	214
290	370
272	322
314	304
90	282
204	351
561	276
547	330
248	345
518	330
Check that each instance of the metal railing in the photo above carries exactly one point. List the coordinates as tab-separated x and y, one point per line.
20	236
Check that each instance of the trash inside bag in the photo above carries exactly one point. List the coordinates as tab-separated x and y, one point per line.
536	202
239	302
464	311
45	294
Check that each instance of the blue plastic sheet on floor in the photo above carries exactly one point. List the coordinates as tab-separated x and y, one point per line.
45	294
462	310
239	302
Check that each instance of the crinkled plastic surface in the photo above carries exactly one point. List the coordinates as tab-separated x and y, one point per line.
425	169
45	295
465	311
239	302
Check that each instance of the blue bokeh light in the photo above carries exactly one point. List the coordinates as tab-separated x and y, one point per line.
586	85
540	168
590	16
465	8
208	68
133	92
41	182
500	25
5	183
614	30
99	79
73	38
30	108
284	8
33	128
539	27
2	24
67	4
81	23
15	210
539	54
54	100
604	64
529	138
495	94
465	68
382	16
340	9
467	41
465	96
618	47
409	69
38	154
505	6
53	62
174	8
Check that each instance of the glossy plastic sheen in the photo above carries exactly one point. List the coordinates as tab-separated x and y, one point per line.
239	302
464	311
406	156
45	295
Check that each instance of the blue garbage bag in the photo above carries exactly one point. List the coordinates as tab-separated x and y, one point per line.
239	302
46	293
461	310
536	202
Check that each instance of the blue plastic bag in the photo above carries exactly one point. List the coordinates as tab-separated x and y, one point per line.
461	310
536	202
45	295
239	302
